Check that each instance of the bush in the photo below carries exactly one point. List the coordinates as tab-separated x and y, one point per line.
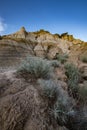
73	75
49	89
59	103
41	31
60	113
62	109
54	63
62	58
36	67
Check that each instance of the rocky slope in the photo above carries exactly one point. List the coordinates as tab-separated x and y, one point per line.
24	103
43	44
28	103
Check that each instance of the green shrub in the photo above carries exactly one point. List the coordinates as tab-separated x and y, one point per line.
59	113
59	103
62	57
36	67
73	75
54	63
62	108
49	89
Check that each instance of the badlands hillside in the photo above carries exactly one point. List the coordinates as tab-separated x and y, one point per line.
42	44
43	81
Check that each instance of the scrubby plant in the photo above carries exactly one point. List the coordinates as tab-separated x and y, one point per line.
41	31
62	58
36	67
59	103
60	113
49	89
63	108
73	75
54	63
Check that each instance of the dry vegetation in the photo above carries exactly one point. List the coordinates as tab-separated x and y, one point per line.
61	105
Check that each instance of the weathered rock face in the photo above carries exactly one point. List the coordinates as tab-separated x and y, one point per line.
20	34
15	47
65	46
53	51
12	52
39	50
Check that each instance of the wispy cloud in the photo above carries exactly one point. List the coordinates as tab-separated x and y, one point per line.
3	25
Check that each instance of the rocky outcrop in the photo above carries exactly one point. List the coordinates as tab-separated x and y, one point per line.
12	52
14	47
20	34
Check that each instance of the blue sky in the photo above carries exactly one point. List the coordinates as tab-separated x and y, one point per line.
56	16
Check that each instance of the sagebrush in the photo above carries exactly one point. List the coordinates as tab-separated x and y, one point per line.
35	66
49	89
73	75
62	58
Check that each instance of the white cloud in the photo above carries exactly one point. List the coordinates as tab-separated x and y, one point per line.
3	26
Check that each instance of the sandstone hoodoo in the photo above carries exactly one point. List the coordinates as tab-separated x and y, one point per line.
43	81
